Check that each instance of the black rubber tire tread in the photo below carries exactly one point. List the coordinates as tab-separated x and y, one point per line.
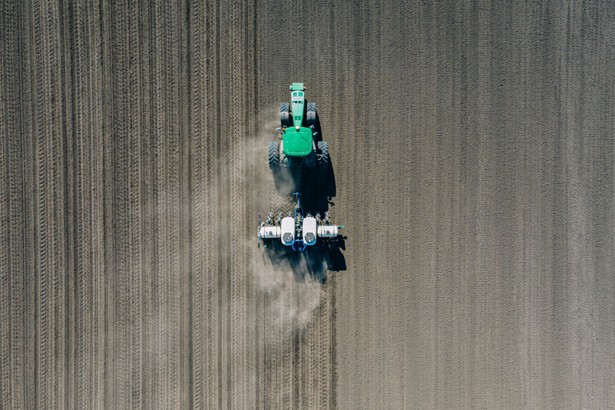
311	115
285	119
323	157
273	153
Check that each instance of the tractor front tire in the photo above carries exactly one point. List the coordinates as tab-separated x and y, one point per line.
285	115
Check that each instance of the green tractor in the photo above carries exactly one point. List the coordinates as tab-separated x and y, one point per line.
299	149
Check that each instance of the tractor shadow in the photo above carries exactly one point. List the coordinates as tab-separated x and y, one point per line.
318	188
313	263
317	193
304	265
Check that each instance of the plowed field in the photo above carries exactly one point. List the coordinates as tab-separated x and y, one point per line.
473	151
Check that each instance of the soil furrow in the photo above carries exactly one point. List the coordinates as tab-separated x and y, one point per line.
12	372
472	150
237	138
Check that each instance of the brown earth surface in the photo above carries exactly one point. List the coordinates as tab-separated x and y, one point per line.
474	156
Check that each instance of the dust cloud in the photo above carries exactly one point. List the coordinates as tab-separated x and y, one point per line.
290	292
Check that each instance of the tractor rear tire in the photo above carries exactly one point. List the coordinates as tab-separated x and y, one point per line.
273	152
323	157
285	115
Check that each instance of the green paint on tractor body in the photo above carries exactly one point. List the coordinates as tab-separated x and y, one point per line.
297	142
297	107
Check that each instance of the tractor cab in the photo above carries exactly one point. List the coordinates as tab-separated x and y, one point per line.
297	104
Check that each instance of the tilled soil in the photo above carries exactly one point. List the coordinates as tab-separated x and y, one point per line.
473	155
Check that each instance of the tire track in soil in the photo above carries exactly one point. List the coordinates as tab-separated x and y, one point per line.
144	52
198	129
50	165
5	262
58	163
135	200
286	367
28	110
185	361
96	193
109	67
172	172
162	28
161	268
167	348
78	149
251	136
12	360
215	125
212	128
201	240
222	214
122	178
237	137
41	211
5	268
